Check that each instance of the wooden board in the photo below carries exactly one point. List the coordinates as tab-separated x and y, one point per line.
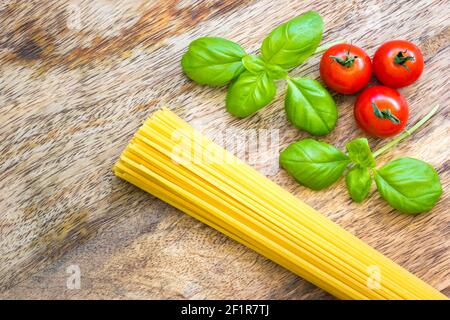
78	77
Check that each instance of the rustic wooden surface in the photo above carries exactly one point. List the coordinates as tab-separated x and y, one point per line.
78	77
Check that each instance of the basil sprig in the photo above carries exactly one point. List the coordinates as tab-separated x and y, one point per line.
291	43
358	181
310	107
314	164
360	153
213	61
217	61
256	64
249	93
409	185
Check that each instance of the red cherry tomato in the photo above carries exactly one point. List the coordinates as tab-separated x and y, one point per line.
345	68
381	111
398	63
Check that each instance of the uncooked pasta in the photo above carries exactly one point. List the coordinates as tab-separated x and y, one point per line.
177	164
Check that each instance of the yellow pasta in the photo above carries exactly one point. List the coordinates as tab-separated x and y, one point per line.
172	161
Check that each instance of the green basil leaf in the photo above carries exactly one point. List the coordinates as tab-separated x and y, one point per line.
213	61
314	164
249	93
291	43
359	152
409	185
358	181
276	72
310	107
255	65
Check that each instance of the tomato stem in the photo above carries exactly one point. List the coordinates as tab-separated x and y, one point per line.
347	62
407	132
327	46
385	114
401	59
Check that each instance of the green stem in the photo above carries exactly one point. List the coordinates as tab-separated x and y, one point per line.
407	132
384	114
347	62
401	59
327	46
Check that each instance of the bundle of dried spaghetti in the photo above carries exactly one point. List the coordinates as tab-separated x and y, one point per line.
172	161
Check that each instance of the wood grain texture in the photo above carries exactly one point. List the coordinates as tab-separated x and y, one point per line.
78	77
